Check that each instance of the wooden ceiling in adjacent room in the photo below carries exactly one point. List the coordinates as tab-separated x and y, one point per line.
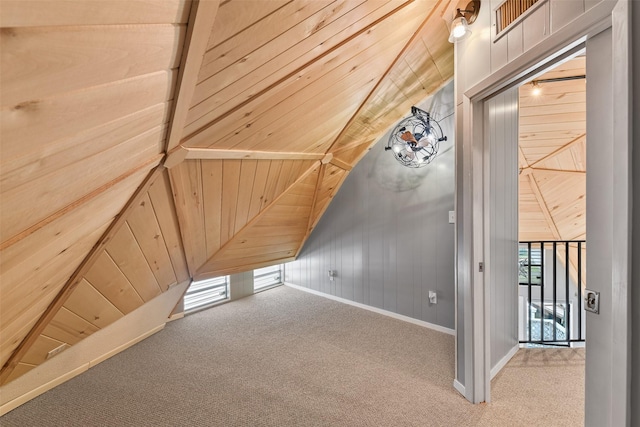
552	156
148	142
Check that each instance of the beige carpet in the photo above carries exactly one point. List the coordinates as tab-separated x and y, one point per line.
287	358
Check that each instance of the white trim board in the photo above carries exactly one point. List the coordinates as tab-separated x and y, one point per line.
13	404
375	310
503	362
459	387
144	321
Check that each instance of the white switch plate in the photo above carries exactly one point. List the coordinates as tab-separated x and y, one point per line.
433	297
452	217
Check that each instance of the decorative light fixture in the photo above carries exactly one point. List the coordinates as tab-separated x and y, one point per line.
536	88
535	91
464	17
415	140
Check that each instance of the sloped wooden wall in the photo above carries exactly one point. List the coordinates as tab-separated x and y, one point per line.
87	89
289	83
259	109
218	198
140	260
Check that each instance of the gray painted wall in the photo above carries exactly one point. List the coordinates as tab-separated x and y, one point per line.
599	225
386	233
502	261
635	278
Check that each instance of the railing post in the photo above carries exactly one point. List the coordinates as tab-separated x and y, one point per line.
555	289
529	289
542	292
567	307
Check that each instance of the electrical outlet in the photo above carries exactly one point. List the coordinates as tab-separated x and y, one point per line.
592	301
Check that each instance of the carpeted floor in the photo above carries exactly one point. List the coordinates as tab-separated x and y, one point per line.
288	358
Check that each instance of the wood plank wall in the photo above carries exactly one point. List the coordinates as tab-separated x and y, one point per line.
289	78
86	95
217	198
143	259
275	235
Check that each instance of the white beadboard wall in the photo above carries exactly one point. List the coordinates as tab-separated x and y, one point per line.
386	233
635	278
600	226
502	260
477	58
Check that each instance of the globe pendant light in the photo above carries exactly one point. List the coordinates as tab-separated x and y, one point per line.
416	139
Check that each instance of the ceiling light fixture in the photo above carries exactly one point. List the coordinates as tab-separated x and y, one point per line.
415	140
536	91
464	17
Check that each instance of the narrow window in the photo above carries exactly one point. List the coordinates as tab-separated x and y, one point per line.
206	293
264	278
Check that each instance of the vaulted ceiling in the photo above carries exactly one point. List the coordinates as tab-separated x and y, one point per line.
149	142
552	155
552	161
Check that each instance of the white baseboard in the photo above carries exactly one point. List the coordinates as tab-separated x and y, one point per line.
501	364
376	310
125	346
12	404
176	316
459	388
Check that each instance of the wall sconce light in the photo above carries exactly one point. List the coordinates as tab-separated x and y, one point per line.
464	17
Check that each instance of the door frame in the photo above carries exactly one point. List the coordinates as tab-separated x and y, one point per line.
476	302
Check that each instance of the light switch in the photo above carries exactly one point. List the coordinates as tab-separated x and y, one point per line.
452	217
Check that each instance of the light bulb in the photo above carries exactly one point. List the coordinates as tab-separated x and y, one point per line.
459	29
536	91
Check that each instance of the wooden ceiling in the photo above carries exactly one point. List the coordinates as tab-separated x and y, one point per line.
553	156
148	142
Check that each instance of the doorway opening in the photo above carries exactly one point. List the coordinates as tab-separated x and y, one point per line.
552	172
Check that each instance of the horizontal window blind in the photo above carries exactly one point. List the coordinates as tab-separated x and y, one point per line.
266	277
206	292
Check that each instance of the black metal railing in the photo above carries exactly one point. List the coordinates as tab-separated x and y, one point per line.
551	279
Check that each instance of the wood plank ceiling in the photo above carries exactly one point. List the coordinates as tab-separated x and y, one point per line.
149	142
553	156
